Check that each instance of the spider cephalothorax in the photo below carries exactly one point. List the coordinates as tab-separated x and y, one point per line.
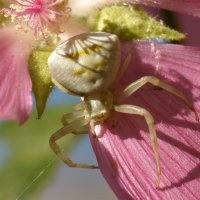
88	65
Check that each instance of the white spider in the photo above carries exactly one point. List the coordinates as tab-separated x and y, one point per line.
87	65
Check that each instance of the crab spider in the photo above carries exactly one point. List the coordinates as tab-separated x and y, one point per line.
87	65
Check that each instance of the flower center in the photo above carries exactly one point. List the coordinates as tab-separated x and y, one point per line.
42	16
37	8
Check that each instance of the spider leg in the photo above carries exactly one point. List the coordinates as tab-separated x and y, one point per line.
70	116
130	89
130	109
92	126
62	132
124	66
78	113
80	106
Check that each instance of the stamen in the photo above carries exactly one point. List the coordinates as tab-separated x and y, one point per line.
42	16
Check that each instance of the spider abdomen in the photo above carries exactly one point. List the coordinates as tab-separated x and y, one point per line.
86	63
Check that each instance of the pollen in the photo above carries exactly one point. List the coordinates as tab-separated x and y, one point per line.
43	17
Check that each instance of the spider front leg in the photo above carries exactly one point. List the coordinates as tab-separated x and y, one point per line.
70	116
133	87
68	128
130	109
76	114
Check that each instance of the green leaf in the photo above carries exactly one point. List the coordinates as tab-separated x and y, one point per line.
131	22
2	18
27	153
41	78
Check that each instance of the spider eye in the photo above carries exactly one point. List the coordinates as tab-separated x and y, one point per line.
86	63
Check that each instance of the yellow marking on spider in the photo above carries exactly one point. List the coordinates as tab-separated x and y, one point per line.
85	52
88	72
73	56
101	64
78	72
97	48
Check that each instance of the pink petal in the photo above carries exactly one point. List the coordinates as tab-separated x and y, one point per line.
125	154
191	7
15	82
178	64
188	24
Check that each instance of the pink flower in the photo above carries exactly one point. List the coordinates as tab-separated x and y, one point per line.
15	82
35	24
124	152
39	14
191	7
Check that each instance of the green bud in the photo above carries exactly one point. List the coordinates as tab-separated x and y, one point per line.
2	18
41	78
131	22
